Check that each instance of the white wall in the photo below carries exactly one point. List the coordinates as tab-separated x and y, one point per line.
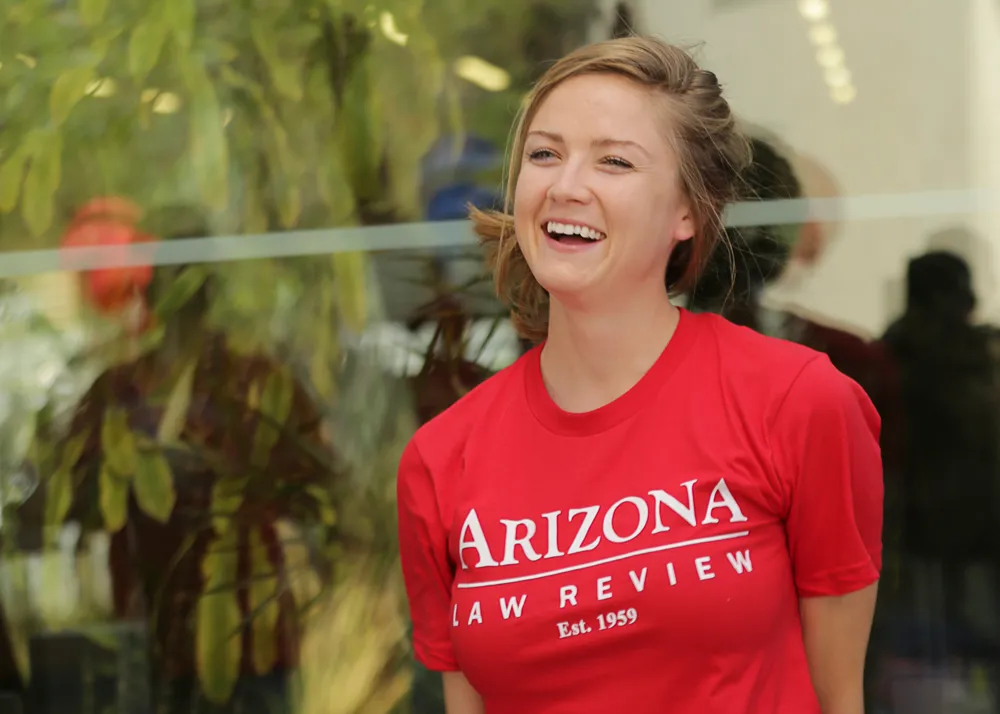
984	120
908	129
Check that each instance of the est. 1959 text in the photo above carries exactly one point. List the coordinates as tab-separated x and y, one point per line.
604	621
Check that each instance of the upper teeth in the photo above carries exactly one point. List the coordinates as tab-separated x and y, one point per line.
569	229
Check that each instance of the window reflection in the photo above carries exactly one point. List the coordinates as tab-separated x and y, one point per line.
200	418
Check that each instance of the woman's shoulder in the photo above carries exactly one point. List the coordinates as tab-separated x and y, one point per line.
768	369
745	349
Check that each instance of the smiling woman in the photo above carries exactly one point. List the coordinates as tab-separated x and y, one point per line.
653	509
601	120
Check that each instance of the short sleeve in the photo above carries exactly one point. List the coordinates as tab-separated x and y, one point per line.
825	441
427	569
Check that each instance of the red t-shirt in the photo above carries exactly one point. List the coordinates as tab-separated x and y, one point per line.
647	556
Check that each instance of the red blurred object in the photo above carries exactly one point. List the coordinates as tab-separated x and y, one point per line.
110	221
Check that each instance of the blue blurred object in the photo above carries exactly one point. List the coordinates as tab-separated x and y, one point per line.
451	202
477	154
450	173
449	186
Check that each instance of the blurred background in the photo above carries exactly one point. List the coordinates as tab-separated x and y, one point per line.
235	277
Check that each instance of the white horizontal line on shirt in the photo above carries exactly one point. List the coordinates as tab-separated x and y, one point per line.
603	561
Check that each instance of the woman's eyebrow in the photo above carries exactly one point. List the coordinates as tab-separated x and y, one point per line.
602	142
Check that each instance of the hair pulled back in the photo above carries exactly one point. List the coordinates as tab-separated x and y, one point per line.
711	152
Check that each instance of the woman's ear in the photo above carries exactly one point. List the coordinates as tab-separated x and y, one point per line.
684	229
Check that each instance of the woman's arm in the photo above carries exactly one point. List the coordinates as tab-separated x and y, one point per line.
459	696
836	630
825	437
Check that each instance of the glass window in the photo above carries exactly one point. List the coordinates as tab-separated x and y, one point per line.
235	276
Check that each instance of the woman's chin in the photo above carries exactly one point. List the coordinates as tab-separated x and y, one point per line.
565	284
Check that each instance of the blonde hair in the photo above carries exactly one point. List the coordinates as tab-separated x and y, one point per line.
712	153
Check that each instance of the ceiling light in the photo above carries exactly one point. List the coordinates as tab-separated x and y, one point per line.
837	76
844	94
829	54
830	57
814	10
482	73
822	34
387	23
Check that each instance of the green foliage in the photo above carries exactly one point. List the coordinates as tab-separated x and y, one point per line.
303	107
154	486
218	620
258	117
60	485
273	400
263	605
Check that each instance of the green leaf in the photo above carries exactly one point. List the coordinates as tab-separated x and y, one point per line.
180	15
334	187
68	89
59	490
263	598
303	580
92	11
360	134
113	498
240	81
285	75
217	621
41	184
289	205
350	273
181	289
20	611
11	173
227	497
409	94
284	168
154	486
285	176
254	215
101	43
322	498
118	443
145	45
176	410
276	404
218	50
276	396
208	146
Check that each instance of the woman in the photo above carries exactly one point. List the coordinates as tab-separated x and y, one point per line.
653	510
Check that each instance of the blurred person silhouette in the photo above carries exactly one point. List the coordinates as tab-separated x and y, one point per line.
948	456
755	255
951	421
734	283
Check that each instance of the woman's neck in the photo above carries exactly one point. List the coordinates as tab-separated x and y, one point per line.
591	358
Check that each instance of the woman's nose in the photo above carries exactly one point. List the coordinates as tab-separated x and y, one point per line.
569	186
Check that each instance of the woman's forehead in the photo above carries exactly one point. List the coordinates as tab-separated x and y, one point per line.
601	108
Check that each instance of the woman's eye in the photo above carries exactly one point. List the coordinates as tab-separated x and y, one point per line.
619	162
540	154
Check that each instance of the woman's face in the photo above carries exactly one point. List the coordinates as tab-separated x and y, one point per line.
598	204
